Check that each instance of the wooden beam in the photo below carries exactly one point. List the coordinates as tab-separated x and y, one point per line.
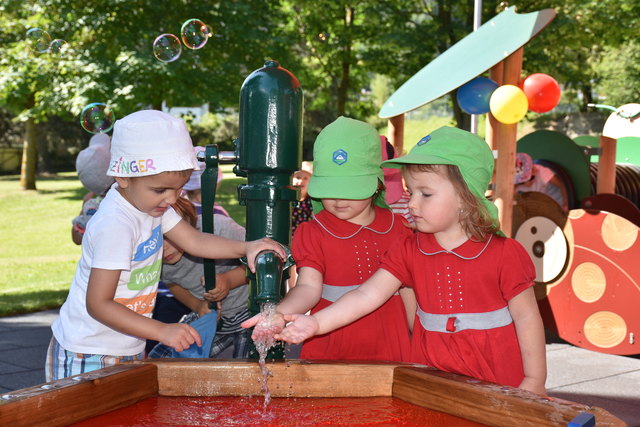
504	139
74	399
607	166
201	377
488	403
395	133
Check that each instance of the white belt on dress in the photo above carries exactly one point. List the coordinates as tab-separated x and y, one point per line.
333	293
449	323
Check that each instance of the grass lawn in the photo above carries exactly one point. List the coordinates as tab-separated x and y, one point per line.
37	257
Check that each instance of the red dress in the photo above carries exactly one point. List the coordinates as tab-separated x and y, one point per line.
477	277
347	254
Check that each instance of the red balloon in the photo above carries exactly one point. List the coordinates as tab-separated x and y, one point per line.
542	90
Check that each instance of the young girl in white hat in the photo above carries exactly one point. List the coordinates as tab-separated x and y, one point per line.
107	315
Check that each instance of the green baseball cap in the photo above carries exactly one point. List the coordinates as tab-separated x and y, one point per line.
452	146
346	162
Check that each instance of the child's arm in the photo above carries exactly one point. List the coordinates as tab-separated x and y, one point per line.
528	323
185	297
207	245
225	282
348	308
300	299
101	306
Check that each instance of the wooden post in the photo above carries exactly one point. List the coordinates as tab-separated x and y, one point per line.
395	133
504	139
491	125
607	166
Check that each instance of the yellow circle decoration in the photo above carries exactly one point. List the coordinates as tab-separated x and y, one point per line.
588	282
605	329
618	233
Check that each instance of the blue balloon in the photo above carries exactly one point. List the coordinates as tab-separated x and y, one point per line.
473	97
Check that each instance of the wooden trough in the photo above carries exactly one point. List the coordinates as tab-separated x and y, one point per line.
89	395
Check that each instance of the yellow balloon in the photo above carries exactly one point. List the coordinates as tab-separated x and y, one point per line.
508	104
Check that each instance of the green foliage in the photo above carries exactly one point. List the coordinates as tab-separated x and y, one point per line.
619	74
219	129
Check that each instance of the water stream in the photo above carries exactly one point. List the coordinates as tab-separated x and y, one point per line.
263	345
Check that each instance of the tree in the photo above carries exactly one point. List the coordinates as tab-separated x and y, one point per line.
110	58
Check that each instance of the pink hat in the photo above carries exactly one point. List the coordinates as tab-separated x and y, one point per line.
524	168
392	177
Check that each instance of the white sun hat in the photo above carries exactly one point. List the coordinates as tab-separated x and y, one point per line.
149	142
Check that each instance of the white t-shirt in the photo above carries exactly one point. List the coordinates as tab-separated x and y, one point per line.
118	237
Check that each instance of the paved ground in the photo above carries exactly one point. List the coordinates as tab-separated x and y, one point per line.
610	382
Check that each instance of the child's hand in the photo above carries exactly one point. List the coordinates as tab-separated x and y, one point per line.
265	244
221	290
301	328
533	385
180	336
264	327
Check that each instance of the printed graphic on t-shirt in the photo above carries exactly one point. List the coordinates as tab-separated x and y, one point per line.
142	304
149	275
149	246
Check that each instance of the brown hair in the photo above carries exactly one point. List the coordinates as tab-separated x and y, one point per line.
474	219
186	210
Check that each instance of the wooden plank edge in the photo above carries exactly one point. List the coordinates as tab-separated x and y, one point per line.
288	378
77	398
488	403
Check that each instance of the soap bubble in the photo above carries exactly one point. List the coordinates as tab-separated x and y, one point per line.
167	48
97	118
209	31
194	33
38	40
323	37
59	47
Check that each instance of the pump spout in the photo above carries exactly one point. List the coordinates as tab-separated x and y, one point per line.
269	268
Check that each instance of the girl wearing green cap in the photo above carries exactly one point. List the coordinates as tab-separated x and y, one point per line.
341	247
477	313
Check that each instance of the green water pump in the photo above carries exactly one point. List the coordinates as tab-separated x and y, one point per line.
268	151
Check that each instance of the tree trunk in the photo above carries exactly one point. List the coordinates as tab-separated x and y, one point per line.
29	156
44	162
343	86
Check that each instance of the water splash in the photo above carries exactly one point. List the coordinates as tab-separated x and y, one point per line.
263	345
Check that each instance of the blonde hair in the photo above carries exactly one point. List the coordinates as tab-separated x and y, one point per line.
474	218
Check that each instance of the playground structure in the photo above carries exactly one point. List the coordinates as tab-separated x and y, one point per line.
587	281
583	244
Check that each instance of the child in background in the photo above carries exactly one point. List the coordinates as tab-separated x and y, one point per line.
193	191
106	316
396	196
477	312
301	210
183	275
342	246
92	164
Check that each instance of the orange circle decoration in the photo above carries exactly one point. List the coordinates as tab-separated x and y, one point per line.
588	282
605	329
618	233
